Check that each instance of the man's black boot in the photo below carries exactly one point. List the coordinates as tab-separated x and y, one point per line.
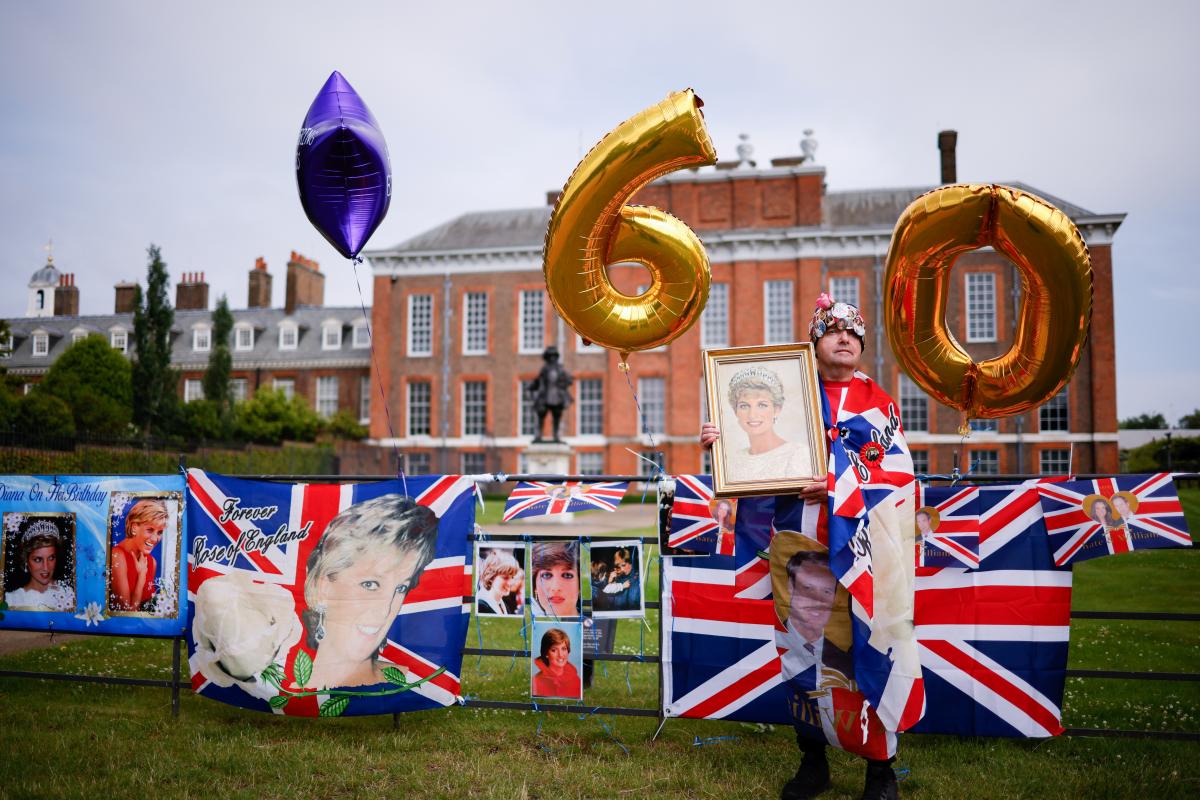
811	779
881	781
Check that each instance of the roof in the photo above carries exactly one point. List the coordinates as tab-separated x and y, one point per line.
46	276
867	208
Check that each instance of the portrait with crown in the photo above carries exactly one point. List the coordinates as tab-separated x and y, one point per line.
39	561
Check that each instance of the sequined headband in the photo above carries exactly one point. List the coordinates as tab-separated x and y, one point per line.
833	316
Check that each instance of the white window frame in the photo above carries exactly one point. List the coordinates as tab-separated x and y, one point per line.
201	339
1063	399
6	345
364	399
118	339
984	466
193	389
238	330
426	321
285	385
321	398
845	289
409	405
714	320
417	463
463	420
653	405
473	469
531	321
907	391
1043	469
782	293
284	329
77	336
470	326
40	341
979	300
331	335
525	409
587	403
236	394
361	337
582	468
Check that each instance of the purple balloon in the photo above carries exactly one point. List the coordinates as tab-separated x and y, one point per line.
342	167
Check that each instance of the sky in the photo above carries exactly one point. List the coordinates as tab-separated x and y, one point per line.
131	123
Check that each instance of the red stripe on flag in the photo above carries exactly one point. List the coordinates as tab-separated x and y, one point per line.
439	488
735	690
863	590
699	601
438	584
232	531
914	709
994	605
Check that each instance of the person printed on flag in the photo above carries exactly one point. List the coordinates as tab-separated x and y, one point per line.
869	531
1100	510
811	605
1125	504
926	526
724	514
556	579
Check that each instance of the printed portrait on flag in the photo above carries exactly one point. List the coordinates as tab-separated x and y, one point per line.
947	526
764	400
554	578
499	579
700	523
616	573
144	533
329	599
39	561
556	660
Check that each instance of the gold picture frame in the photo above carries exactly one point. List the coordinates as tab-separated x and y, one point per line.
758	454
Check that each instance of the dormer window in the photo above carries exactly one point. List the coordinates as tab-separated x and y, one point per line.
78	335
41	344
6	345
288	336
243	338
362	335
202	339
119	339
331	335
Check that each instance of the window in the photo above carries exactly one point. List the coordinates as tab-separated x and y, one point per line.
237	389
590	464
528	423
706	461
364	399
985	462
419	396
118	339
420	325
914	406
1054	415
650	459
287	386
202	339
920	459
985	425
778	301
288	336
475	323
362	335
76	337
40	303
327	395
714	321
243	338
474	463
1054	462
653	394
532	336
981	307
416	463
474	408
331	336
193	389
41	344
845	290
590	421
6	344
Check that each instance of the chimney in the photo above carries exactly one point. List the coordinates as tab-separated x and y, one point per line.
124	298
192	292
66	297
259	295
305	283
552	196
947	141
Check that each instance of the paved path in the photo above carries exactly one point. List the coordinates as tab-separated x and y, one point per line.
13	642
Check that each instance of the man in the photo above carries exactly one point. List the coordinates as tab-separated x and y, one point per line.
838	333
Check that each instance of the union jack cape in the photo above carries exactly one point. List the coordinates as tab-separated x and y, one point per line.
536	499
423	643
693	527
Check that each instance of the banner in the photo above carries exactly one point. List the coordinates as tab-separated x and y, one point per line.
93	554
329	599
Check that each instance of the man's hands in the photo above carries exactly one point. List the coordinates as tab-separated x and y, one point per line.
709	433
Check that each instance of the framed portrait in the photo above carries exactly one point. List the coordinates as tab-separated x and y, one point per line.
499	579
765	401
143	554
616	575
556	660
39	561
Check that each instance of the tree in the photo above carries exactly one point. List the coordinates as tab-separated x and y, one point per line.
43	414
220	363
1153	422
94	381
269	418
1190	421
154	382
344	425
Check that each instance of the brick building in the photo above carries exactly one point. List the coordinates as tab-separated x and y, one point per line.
460	319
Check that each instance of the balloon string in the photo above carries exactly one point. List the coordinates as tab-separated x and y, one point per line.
354	262
658	470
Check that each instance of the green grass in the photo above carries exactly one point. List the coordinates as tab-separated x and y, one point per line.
61	739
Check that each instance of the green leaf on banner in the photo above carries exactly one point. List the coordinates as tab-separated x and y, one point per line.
334	706
273	675
279	701
302	668
395	676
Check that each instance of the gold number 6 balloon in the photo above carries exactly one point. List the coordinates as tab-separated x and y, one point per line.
1056	290
592	228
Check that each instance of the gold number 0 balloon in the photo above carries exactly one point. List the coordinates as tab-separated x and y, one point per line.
592	228
1056	290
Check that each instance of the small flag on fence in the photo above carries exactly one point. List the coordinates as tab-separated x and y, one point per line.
948	526
700	523
536	499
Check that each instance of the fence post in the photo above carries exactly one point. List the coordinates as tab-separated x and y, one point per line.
175	677
665	489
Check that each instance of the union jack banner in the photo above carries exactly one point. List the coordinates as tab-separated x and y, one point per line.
948	526
536	499
1087	519
309	599
694	526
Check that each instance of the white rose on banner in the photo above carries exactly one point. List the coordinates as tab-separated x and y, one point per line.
240	628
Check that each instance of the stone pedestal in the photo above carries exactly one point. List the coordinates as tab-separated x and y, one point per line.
548	458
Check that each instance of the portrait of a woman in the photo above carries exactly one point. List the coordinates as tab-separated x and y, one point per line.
1102	512
556	579
554	675
132	568
366	563
497	574
723	513
41	577
756	398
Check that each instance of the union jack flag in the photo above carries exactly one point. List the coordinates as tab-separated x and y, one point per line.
952	515
694	527
1086	519
424	640
536	499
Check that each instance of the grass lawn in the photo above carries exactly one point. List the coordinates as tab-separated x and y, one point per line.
78	740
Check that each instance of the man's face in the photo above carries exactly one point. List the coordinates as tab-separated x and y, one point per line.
1122	506
923	522
813	587
839	349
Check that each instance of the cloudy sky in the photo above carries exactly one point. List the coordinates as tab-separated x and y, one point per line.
130	123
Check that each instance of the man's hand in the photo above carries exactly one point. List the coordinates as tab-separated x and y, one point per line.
814	492
709	433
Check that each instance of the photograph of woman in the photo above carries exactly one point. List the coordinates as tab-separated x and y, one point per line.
554	673
500	586
133	569
555	570
367	561
39	571
1100	510
723	511
756	398
616	579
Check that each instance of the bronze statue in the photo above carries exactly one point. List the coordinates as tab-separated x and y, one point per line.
550	392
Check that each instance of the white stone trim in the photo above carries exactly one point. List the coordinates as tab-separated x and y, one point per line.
1053	437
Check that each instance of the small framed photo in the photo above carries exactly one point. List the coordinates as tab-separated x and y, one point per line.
554	578
556	660
39	561
144	538
499	579
616	573
765	401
